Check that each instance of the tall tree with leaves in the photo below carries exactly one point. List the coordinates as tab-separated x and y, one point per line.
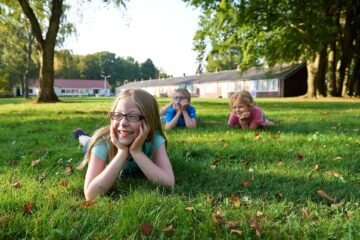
53	11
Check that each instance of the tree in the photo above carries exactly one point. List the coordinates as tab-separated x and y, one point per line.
148	70
249	33
46	39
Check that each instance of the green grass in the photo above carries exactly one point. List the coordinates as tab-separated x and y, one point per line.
278	164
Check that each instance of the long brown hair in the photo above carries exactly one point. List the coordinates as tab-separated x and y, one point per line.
147	106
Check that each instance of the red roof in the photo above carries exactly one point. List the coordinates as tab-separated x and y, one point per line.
77	83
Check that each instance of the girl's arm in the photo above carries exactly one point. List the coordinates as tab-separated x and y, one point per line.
100	178
164	109
158	171
173	122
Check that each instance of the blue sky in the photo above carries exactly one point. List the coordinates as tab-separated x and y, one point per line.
161	30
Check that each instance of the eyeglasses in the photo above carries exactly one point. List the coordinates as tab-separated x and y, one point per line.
179	98
130	117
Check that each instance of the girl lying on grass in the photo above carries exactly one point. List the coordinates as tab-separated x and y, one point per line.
133	142
245	114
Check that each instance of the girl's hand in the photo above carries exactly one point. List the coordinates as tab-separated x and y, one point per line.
114	139
244	115
136	146
184	104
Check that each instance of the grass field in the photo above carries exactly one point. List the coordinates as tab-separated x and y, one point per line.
298	180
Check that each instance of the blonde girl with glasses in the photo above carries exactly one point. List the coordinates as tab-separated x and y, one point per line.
245	114
180	113
134	141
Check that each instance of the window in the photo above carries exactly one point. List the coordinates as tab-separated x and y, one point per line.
270	85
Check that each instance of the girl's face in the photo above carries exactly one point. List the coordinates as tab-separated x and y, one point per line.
128	122
239	108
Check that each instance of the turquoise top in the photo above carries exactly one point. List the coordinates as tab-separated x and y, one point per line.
101	150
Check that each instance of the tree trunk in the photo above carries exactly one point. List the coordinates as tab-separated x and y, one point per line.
46	48
312	64
346	51
320	74
27	66
332	69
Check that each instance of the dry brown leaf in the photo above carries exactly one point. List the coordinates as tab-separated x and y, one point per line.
27	208
226	145
333	173
68	170
325	113
217	217
35	163
299	156
168	228
305	214
235	200
5	219
338	158
323	194
257	226
246	183
259	213
146	229
87	203
212	166
190	209
17	185
280	164
13	162
63	183
232	224
235	231
258	137
43	150
316	167
252	178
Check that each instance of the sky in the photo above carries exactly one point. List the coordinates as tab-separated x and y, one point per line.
161	30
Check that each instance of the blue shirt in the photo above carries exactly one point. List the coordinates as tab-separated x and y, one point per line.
170	114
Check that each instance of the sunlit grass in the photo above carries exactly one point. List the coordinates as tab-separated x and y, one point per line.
274	173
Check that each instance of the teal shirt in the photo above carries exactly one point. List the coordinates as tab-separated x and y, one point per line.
101	150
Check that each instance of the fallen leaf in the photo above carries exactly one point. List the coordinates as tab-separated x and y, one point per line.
17	185
246	183
299	156
43	150
278	196
252	178
232	224
323	194
305	214
35	163
334	174
226	145
68	170
257	226
235	231
258	137
87	203
63	183
168	228
316	167
338	158
259	213
325	113
190	209
5	219
146	229
217	217
212	166
13	162
27	208
235	200
280	164
215	163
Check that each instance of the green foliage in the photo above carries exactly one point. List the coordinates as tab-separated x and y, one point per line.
278	163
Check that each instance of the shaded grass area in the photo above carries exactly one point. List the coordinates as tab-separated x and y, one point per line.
271	172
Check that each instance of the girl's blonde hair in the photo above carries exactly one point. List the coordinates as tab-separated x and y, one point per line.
242	97
147	106
184	92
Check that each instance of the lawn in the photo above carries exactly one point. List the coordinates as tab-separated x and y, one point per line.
298	180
